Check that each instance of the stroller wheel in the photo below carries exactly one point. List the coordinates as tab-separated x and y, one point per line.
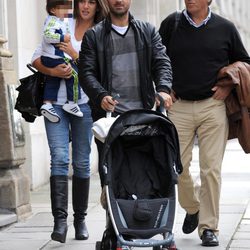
172	247
157	248
98	245
108	240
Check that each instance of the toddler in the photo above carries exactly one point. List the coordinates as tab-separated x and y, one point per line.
56	31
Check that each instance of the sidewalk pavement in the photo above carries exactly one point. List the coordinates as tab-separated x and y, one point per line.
34	232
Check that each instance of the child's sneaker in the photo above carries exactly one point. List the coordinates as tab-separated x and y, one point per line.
73	109
48	111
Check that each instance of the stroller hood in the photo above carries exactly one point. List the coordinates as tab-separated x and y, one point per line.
135	122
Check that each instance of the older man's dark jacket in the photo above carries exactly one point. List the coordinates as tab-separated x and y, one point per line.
95	64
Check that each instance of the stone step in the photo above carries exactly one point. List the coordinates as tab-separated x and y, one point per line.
7	217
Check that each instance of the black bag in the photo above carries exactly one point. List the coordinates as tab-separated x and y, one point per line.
30	96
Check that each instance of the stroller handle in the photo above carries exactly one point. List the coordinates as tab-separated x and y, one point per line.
161	108
108	114
114	97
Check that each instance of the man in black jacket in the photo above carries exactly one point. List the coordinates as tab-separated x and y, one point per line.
200	45
123	56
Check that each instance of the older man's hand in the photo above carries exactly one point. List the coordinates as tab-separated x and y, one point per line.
167	99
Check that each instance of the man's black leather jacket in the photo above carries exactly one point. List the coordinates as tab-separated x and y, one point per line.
95	63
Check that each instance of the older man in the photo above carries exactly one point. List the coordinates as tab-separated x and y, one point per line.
200	45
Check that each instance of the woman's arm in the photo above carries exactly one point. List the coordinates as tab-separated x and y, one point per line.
61	70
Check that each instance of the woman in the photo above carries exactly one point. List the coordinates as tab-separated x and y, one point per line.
86	14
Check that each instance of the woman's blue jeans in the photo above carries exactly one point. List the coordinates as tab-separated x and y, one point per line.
58	135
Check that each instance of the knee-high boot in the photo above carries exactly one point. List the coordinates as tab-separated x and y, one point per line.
80	188
59	205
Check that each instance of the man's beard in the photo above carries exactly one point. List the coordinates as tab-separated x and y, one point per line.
119	14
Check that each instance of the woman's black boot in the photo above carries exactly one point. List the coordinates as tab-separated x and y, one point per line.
80	195
59	205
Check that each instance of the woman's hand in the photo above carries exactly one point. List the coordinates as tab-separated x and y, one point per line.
61	71
68	48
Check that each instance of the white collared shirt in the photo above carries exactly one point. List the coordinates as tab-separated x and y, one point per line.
190	20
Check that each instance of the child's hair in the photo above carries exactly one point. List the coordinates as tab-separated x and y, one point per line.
54	3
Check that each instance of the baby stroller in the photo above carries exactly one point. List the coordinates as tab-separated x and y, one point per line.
141	161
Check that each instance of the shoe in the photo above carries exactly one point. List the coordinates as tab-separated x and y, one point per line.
73	109
190	223
48	111
81	231
209	239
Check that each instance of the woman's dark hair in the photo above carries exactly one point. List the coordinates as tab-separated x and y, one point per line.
101	13
53	3
209	2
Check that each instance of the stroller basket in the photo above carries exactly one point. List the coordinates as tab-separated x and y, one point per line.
144	218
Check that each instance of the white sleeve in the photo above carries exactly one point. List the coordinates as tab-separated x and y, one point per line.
37	53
